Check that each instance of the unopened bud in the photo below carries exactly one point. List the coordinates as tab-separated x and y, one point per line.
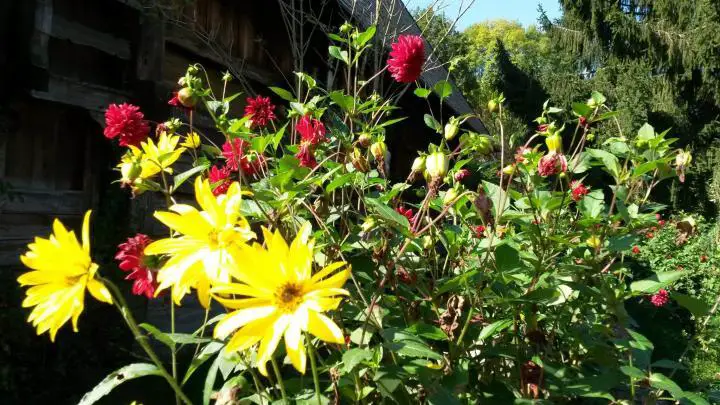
181	82
364	140
450	196
129	171
378	150
484	145
192	70
554	143
186	97
345	28
683	159
436	165
359	161
594	242
509	170
492	105
451	130
418	164
427	242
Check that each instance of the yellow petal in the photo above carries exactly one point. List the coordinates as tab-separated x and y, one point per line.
250	334
239	318
326	271
203	292
270	341
324	328
86	232
295	346
336	281
99	291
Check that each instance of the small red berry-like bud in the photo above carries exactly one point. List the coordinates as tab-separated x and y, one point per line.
658	217
186	97
461	175
636	250
649	235
583	122
703	259
661	222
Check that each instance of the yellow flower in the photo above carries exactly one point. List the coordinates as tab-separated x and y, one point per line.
594	242
278	296
203	252
192	141
154	157
61	269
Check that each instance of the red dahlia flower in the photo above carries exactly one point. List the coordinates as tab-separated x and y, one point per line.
132	259
311	130
479	231
219	180
660	298
578	190
127	122
406	212
260	110
306	155
406	58
237	158
552	163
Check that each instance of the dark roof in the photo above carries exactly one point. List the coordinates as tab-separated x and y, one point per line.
394	19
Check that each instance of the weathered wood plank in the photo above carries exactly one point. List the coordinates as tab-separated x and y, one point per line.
45	202
79	34
85	95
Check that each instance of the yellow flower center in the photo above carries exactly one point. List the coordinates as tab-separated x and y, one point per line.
289	296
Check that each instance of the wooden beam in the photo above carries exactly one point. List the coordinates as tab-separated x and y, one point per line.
86	95
83	35
151	49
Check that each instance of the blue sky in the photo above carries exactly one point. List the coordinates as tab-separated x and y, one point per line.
524	11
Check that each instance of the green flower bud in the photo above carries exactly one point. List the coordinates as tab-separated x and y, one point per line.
418	164
483	145
427	242
492	105
130	171
186	97
450	196
451	130
345	28
594	242
509	170
436	165
554	143
378	150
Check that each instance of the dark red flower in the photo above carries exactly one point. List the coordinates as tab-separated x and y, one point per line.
461	175
405	276
406	212
636	250
649	235
260	110
661	222
578	190
311	130
583	122
703	259
660	298
406	58
306	155
552	163
658	217
542	128
219	180
479	231
127	122
132	259
237	157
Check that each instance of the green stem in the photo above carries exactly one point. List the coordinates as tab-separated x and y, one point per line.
143	340
173	355
313	365
281	384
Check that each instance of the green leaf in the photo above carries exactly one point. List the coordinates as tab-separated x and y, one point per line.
210	380
339	181
408	345
598	97
659	280
387	213
645	168
455	283
307	79
205	353
354	357
426	331
691	398
646	133
581	109
277	138
338	53
605	116
116	378
422	92
432	123
608	159
622	243
283	94
365	36
593	204
660	381
695	306
494	328
633	372
186	338
496	195
343	101
665	363
443	89
158	334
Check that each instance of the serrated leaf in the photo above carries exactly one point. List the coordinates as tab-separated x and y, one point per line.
426	331
365	36
422	92
343	101
283	94
443	89
659	280
353	357
116	378
494	328
581	109
408	345
338	53
660	381
695	306
432	123
609	160
593	204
